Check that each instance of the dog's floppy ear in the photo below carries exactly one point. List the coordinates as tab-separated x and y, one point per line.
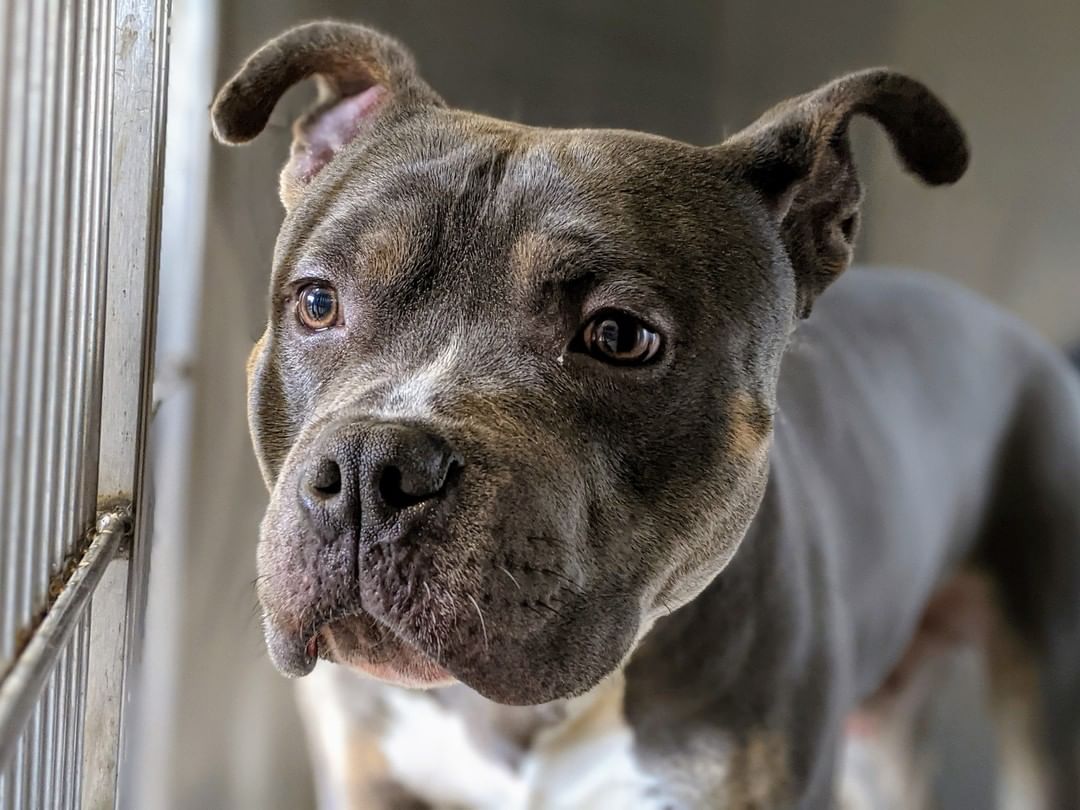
798	156
360	73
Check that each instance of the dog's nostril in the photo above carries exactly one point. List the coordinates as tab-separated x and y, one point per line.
399	490
326	480
394	494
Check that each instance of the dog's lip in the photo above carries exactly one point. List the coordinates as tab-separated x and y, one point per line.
431	675
403	661
294	652
288	650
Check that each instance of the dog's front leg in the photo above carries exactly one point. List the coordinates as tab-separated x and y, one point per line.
760	721
727	750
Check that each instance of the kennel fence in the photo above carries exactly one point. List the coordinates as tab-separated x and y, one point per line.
82	104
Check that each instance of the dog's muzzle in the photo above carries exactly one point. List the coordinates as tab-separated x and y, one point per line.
364	490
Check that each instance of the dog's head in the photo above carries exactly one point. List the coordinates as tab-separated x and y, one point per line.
515	396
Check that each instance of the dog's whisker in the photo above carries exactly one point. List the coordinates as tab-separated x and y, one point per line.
483	626
512	578
437	639
551	608
573	584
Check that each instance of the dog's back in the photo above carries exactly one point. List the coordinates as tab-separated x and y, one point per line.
987	531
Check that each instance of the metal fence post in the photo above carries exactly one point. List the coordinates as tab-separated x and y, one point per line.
82	98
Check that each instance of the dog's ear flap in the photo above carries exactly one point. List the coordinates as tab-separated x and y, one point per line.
359	72
798	156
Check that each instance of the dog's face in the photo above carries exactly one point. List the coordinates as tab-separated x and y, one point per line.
589	359
515	394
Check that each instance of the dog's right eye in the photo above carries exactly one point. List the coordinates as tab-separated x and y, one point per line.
317	306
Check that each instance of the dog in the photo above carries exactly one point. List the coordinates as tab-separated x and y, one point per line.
580	448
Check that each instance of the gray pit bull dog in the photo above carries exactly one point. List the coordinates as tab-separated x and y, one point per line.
551	432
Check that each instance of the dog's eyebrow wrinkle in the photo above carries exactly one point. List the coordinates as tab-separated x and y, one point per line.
484	176
564	258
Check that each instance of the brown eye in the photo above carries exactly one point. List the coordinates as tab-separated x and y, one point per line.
620	338
317	306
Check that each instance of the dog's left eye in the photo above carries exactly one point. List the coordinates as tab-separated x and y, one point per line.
317	306
620	338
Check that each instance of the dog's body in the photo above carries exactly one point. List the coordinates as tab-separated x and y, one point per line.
784	622
529	413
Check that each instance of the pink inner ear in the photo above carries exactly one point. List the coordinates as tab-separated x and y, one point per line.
333	129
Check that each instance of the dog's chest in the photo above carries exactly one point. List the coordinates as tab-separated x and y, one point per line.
453	749
578	754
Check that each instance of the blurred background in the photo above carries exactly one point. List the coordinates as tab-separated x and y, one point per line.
217	726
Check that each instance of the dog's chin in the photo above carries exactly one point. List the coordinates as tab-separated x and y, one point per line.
381	655
516	677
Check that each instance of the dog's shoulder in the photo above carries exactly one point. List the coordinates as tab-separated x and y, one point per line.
905	327
911	300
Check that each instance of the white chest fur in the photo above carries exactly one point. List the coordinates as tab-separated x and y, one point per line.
574	755
580	754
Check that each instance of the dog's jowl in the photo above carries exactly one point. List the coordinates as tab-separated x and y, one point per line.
578	453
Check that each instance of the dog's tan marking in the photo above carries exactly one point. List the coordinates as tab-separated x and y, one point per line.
253	359
385	254
496	413
529	251
758	773
959	613
749	423
886	763
718	769
1014	682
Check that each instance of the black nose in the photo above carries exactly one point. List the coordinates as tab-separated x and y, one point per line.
366	473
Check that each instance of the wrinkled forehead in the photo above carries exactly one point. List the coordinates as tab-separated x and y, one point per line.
461	191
